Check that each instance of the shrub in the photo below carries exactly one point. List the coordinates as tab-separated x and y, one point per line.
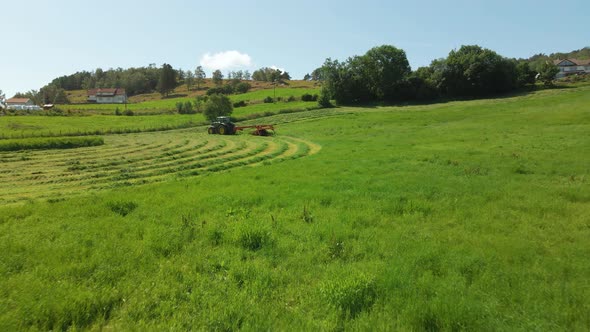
253	237
188	107
214	91
324	100
291	99
122	208
180	107
268	100
128	113
306	97
240	103
350	296
242	87
217	105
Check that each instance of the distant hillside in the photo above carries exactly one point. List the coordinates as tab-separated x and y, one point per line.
581	54
79	96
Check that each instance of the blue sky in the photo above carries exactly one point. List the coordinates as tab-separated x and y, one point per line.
46	39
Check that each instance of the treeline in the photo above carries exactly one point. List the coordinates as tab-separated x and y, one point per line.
537	60
133	80
384	74
148	79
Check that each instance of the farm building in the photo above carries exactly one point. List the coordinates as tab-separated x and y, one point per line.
571	67
107	96
21	104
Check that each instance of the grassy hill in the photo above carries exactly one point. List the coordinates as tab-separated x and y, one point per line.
156	102
466	215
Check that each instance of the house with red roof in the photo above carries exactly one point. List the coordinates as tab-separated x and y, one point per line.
107	96
25	104
19	102
571	67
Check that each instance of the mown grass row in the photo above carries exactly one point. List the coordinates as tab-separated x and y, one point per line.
49	143
175	154
37	126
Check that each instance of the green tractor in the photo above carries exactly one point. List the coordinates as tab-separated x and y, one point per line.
222	126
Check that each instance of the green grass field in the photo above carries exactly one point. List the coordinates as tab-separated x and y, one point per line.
468	215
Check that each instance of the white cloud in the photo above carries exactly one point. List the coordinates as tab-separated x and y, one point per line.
225	60
275	68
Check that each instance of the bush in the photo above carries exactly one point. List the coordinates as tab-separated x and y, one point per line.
188	107
128	113
180	107
268	100
240	103
185	108
324	100
291	99
122	208
306	97
242	87
217	105
253	237
350	296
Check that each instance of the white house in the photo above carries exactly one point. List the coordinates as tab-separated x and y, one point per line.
571	67
21	104
107	96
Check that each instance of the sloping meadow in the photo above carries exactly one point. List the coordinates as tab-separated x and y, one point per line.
459	216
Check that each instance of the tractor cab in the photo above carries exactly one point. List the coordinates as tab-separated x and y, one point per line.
223	119
222	125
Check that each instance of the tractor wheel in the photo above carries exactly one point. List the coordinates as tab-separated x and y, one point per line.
211	130
222	130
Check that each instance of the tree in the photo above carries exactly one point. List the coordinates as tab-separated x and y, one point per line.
307	77
199	102
217	77
547	72
199	76
2	99
247	75
316	74
267	74
167	81
217	105
189	79
475	71
324	99
180	75
524	74
383	68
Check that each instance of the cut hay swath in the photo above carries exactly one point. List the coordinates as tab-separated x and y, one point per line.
136	159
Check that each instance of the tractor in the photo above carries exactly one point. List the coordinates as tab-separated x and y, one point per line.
223	126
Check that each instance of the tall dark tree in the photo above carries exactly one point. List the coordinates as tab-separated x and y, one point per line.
377	75
384	67
217	105
200	76
217	77
475	71
167	81
524	74
547	72
2	99
189	79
